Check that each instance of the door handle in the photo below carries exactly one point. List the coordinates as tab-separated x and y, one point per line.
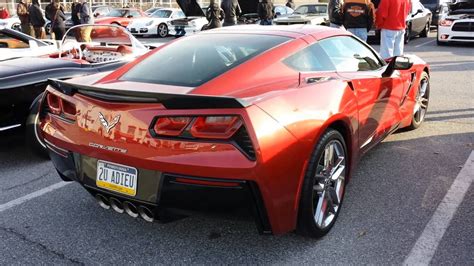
317	79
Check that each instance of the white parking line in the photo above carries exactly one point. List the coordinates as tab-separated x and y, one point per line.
425	247
31	196
425	43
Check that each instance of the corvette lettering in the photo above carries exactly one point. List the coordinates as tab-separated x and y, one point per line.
108	148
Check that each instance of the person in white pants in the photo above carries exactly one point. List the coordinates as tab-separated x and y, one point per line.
391	20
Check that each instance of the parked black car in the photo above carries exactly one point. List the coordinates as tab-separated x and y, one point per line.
418	24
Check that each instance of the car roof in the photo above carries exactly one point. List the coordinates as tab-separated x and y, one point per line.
291	31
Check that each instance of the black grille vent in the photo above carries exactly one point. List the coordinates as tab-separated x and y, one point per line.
244	143
463	26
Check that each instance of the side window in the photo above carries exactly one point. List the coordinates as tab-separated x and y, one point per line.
134	13
350	55
312	58
281	10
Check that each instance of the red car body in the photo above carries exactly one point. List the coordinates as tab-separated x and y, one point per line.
123	20
284	113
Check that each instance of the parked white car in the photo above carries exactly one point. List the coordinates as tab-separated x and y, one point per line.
14	44
458	24
193	22
156	24
11	23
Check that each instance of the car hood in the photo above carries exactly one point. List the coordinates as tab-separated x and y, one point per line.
106	19
191	8
461	16
144	21
461	7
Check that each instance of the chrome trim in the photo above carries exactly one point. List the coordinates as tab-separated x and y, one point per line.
9	127
367	142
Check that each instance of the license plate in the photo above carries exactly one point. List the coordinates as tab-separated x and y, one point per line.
116	177
371	33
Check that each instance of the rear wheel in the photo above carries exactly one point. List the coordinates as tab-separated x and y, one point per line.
421	101
323	187
407	35
426	30
162	30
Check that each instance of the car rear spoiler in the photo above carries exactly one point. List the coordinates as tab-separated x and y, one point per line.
169	100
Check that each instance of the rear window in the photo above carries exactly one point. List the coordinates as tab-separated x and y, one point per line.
194	60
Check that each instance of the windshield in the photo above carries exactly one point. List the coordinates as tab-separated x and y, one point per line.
194	60
312	9
161	14
119	13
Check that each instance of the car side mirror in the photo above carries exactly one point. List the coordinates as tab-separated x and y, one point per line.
96	15
417	12
129	16
278	14
397	63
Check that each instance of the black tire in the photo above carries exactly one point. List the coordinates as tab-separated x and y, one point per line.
307	225
416	120
425	31
33	139
406	37
164	32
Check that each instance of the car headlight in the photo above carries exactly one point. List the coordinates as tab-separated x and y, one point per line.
149	23
445	22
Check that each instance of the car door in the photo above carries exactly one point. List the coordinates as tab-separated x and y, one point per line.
378	97
418	18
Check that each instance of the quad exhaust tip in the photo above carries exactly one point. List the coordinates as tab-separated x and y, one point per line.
128	207
103	201
116	205
146	214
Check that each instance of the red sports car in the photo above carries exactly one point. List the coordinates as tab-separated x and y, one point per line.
276	117
120	16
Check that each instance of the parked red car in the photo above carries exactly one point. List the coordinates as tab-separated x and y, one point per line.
120	16
275	117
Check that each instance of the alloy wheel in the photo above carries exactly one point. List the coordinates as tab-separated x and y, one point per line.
421	101
162	30
329	181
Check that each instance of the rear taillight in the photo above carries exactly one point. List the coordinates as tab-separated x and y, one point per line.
204	127
215	127
171	126
222	128
54	103
61	107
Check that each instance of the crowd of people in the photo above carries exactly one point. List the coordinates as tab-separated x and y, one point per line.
33	18
359	16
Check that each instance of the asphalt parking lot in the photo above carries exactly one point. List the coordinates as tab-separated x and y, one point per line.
391	201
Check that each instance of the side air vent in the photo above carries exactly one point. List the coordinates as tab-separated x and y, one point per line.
244	143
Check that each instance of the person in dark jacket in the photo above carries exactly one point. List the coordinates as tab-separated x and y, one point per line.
266	12
231	12
214	15
86	13
37	20
290	4
56	13
335	13
75	12
24	16
358	17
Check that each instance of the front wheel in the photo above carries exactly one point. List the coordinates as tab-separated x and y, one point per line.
33	138
421	101
162	30
323	186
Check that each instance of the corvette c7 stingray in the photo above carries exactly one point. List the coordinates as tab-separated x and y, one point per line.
275	116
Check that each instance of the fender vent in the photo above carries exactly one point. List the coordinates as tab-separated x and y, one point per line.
242	141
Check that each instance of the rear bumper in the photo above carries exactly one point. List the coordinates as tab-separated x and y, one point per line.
161	192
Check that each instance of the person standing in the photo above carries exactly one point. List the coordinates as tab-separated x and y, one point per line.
24	16
358	17
86	18
266	12
57	20
4	13
231	12
214	15
37	20
391	20
75	12
335	13
290	4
